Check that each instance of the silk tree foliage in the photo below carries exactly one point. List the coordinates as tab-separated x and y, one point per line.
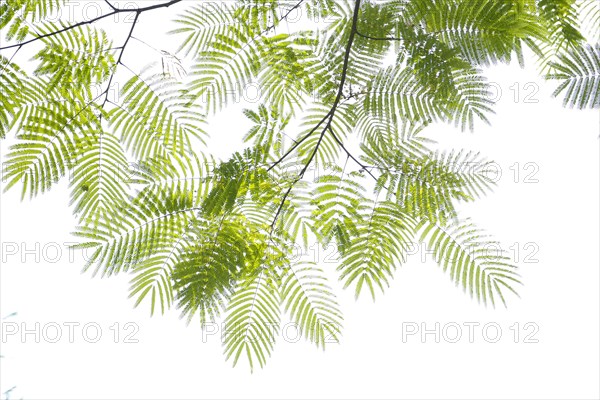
219	238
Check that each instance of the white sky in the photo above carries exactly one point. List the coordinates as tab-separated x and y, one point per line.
557	216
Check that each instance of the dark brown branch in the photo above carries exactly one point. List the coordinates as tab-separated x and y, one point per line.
298	143
10	60
91	21
67	28
110	5
112	75
150	8
331	113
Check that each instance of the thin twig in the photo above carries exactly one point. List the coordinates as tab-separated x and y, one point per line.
112	76
378	38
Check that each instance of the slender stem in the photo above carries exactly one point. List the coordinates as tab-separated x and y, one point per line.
356	160
378	38
283	17
299	142
10	60
150	46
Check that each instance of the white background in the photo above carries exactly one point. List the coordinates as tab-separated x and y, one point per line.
558	215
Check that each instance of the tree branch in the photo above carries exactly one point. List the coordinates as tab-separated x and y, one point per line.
299	142
91	21
329	115
110	5
112	76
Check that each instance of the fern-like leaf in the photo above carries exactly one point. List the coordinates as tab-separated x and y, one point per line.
311	303
578	71
475	263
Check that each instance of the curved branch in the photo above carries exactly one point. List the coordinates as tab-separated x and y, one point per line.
329	115
91	21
